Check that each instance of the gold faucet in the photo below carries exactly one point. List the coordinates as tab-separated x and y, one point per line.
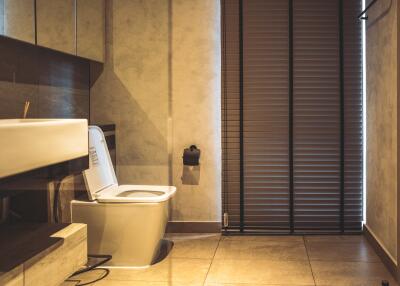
26	108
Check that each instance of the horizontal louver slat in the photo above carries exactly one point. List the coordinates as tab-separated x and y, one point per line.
353	148
266	114
230	111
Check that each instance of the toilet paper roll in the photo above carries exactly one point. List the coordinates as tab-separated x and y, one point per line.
191	156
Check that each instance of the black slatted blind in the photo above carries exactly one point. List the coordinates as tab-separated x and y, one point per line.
316	115
292	89
353	116
231	111
266	114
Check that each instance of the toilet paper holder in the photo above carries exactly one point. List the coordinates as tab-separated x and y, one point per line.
191	156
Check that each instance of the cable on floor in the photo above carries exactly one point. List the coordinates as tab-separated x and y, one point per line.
105	258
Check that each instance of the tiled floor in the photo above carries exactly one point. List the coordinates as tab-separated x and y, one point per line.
215	260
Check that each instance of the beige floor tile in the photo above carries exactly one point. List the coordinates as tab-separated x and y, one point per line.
335	238
350	273
246	284
260	272
194	246
341	250
265	248
177	270
144	283
255	261
264	238
184	236
67	283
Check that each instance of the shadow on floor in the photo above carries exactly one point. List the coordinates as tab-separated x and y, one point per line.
165	248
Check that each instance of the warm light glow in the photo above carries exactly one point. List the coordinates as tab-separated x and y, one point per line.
364	119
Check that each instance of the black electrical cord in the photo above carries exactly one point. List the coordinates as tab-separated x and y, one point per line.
56	201
92	267
106	272
106	257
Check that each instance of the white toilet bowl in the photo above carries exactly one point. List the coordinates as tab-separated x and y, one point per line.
126	221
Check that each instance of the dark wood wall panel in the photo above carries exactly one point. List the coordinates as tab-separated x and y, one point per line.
56	84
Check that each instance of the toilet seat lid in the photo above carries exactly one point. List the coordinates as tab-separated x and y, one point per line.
101	174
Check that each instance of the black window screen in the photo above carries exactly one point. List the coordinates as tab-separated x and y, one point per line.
292	115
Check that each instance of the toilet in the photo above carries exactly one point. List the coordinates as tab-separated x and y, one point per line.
125	221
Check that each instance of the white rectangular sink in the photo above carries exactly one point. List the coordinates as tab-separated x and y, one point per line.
27	144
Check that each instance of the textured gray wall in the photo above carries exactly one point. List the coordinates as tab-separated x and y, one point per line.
161	86
382	124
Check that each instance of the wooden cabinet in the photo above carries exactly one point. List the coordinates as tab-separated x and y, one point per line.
19	19
90	30
55	22
75	27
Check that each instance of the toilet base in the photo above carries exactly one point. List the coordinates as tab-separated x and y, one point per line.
130	232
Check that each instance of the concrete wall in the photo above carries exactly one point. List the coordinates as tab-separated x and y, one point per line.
161	86
382	115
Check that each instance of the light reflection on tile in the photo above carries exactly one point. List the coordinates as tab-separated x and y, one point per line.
350	273
253	260
266	248
341	251
194	245
260	271
170	269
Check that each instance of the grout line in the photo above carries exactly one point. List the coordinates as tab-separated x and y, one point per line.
212	260
309	261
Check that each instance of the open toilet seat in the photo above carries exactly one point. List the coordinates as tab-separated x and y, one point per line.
101	181
135	194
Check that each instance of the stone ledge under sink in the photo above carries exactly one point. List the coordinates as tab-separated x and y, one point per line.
54	264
